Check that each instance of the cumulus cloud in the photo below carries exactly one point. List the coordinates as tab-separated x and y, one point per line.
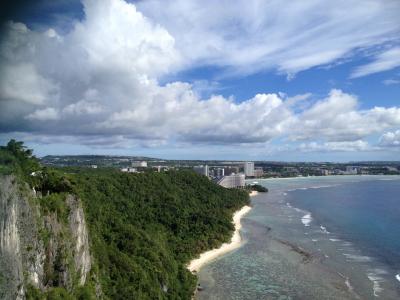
390	139
175	111
98	84
358	145
384	61
338	118
104	61
45	114
247	36
21	82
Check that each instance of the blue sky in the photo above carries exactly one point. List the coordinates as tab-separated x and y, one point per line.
310	80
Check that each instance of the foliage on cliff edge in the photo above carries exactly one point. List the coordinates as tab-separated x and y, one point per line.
144	228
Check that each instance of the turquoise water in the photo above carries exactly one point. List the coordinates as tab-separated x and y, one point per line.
315	238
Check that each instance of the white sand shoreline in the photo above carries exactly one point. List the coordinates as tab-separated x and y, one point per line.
253	193
236	242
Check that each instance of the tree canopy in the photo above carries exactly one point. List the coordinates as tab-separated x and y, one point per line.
143	228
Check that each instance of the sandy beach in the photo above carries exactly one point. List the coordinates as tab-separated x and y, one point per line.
253	193
196	264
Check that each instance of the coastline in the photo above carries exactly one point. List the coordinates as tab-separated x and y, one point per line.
324	176
295	256
236	241
253	193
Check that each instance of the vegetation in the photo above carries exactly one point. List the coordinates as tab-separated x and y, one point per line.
257	188
144	228
17	159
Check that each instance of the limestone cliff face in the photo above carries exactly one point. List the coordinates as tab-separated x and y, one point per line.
80	238
39	249
21	250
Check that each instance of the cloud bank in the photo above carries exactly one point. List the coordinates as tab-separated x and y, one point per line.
98	84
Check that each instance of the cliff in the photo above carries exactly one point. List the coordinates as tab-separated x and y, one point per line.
39	248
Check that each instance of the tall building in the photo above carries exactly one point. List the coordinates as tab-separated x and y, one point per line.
232	181
203	170
249	169
351	170
219	172
231	170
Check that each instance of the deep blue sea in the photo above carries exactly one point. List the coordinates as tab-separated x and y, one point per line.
366	213
332	237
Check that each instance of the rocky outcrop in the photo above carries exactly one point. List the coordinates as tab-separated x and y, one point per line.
80	238
21	250
37	248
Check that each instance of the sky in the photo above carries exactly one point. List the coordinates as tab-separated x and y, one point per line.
306	80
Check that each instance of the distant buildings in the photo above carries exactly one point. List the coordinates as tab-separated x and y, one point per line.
258	172
391	169
350	170
139	164
161	168
232	181
129	170
229	170
202	170
219	172
325	172
249	169
216	172
134	167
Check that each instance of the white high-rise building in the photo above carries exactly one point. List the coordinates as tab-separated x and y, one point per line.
219	172
351	170
249	169
232	181
203	170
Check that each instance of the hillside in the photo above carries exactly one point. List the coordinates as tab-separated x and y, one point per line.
141	229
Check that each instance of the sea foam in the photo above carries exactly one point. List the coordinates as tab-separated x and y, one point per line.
334	240
376	281
306	219
357	258
323	229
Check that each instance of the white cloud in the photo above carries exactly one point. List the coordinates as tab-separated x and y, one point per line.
46	114
114	51
384	61
338	118
82	108
391	81
21	82
175	111
358	145
390	139
115	35
248	36
99	83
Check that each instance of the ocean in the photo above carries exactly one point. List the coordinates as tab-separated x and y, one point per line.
333	237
